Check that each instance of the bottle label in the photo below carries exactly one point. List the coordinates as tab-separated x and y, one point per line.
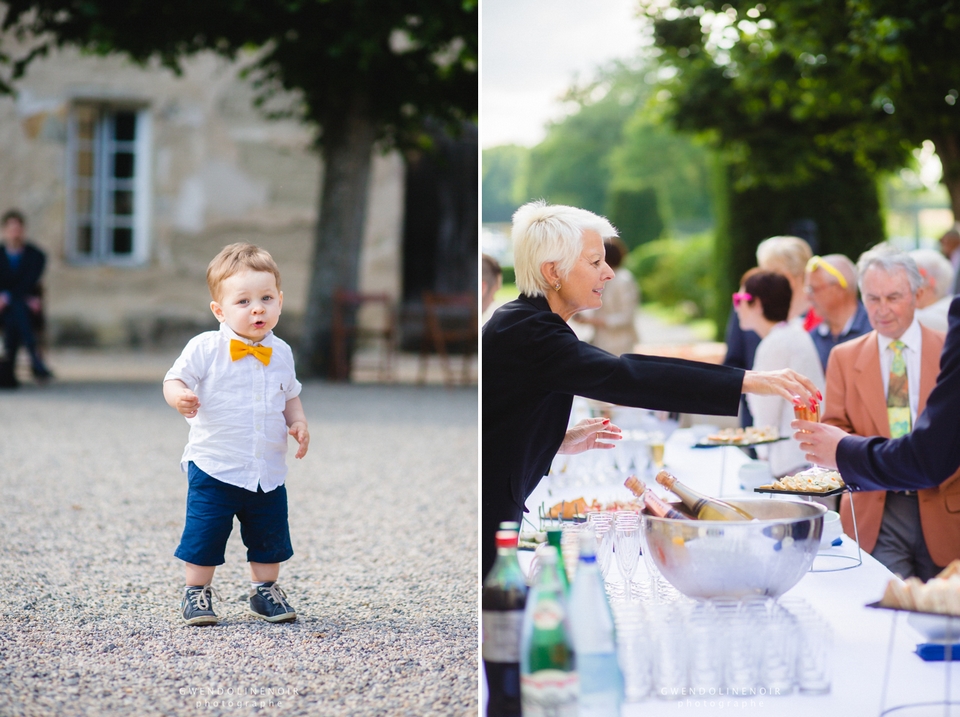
549	693
501	635
547	615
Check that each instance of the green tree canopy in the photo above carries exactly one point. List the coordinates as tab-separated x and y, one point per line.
790	88
365	71
501	174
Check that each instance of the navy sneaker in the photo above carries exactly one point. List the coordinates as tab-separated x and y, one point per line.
197	605
269	602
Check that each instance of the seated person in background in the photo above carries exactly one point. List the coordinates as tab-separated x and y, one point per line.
21	266
934	297
877	385
831	286
762	305
614	323
491	279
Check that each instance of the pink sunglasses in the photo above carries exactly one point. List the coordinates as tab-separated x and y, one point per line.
740	297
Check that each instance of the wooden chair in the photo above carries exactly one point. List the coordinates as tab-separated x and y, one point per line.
449	319
348	333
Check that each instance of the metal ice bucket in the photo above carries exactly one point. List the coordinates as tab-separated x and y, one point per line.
715	558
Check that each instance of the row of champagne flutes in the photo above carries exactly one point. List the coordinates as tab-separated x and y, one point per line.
673	647
723	650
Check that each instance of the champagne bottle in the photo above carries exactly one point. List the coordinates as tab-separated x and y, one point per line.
502	601
652	502
549	684
704	507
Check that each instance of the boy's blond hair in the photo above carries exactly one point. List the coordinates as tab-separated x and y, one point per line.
235	258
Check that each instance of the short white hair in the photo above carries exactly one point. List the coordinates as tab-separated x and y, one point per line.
936	269
784	252
550	232
889	259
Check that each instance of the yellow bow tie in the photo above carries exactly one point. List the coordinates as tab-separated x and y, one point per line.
238	349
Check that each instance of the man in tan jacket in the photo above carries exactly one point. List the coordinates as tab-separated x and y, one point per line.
877	385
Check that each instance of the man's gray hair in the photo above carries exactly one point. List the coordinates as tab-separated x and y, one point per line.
550	232
936	269
891	260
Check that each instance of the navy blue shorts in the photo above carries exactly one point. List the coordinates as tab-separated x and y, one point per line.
211	505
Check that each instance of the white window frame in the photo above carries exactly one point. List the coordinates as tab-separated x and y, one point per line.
104	183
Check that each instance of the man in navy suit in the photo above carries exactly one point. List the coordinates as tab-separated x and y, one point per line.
924	458
21	266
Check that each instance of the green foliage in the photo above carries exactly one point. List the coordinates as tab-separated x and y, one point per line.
501	175
398	61
676	272
615	144
791	88
843	203
636	214
571	166
652	154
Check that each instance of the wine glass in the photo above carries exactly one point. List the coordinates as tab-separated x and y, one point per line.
601	522
627	547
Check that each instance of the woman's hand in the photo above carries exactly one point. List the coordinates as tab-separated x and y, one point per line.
785	382
587	434
819	441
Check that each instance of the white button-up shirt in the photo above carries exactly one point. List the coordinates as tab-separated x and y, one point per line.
912	342
239	435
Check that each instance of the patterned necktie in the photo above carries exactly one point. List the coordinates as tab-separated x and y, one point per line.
238	349
898	393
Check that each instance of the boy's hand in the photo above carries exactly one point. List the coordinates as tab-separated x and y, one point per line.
299	431
187	403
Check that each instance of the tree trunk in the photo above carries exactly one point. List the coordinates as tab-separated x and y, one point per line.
347	154
948	150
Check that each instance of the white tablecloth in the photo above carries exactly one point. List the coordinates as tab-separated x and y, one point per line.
861	634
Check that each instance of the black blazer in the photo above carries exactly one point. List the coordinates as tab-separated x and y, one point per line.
533	366
930	453
22	282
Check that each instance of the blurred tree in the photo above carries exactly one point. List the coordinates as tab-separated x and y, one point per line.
364	72
635	213
571	165
501	174
793	87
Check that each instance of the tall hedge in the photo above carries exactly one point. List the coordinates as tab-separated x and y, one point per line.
843	204
635	212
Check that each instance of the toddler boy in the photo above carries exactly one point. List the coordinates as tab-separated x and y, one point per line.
239	392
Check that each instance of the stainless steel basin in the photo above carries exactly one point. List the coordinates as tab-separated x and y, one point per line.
712	558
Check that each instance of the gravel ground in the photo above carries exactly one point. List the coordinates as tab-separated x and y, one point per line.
383	515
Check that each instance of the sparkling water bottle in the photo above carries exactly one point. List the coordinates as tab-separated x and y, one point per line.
594	637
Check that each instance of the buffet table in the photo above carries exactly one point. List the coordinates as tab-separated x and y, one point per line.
861	636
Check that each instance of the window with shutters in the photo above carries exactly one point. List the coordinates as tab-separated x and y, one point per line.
108	189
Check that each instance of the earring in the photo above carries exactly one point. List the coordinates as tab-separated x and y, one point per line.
557	287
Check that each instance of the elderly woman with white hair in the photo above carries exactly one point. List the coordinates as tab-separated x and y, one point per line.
534	364
935	295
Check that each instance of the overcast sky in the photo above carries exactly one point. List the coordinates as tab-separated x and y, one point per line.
532	49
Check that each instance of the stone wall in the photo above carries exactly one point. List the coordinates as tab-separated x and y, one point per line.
220	173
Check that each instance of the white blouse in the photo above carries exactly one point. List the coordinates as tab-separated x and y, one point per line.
786	346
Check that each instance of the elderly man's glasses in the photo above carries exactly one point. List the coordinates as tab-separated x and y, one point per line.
741	297
818	262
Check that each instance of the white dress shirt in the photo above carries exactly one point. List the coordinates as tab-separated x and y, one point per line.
786	346
239	435
912	341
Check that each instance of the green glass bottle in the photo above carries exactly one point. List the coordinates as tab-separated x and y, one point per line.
553	538
549	685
